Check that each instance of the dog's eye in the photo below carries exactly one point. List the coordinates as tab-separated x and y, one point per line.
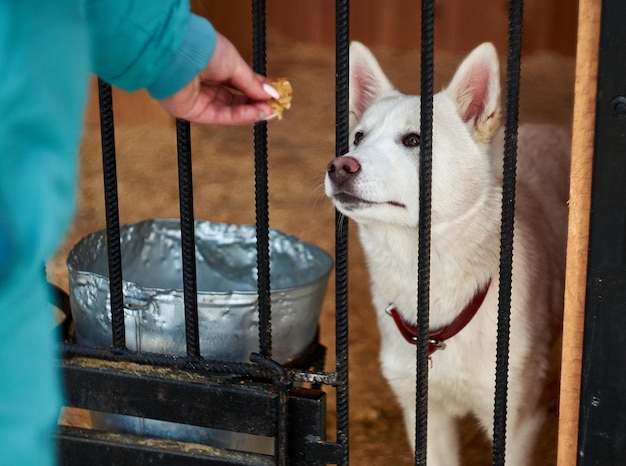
411	140
358	137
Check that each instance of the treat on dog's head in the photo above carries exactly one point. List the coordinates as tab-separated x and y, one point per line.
283	87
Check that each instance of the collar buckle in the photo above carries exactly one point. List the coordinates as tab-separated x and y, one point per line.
436	344
437	338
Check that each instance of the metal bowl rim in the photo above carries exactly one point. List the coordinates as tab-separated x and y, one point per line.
323	276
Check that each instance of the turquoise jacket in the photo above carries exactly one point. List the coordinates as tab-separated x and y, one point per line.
47	48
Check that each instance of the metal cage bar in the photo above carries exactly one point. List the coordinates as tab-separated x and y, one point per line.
261	188
342	38
188	238
263	248
514	55
423	256
109	169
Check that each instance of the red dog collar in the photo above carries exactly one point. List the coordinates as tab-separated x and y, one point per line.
437	338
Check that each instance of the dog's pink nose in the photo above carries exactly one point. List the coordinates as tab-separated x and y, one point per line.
342	168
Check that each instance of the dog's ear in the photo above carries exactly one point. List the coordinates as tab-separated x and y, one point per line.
475	90
367	81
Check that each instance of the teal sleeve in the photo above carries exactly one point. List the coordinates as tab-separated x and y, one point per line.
44	67
48	48
154	44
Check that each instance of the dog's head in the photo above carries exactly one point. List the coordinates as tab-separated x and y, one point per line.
378	179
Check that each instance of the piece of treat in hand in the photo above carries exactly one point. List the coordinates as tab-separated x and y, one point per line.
284	89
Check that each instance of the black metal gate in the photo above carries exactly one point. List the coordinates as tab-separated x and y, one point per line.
601	427
260	397
263	397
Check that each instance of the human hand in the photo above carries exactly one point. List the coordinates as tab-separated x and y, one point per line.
226	92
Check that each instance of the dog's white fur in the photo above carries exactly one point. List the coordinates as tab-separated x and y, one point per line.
382	196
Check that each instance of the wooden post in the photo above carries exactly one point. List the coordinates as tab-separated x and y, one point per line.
578	237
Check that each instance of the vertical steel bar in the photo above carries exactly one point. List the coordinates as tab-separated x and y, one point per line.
261	189
188	241
514	55
112	215
423	260
282	435
342	38
262	233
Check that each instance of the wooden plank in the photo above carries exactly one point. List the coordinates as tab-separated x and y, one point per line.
578	237
460	25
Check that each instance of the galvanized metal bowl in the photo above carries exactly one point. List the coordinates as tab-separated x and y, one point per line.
227	304
227	290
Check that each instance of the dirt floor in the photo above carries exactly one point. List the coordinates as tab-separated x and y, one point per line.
300	146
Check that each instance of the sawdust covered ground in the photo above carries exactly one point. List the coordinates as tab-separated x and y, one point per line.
300	146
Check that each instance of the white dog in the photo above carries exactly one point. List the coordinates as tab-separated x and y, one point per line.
377	185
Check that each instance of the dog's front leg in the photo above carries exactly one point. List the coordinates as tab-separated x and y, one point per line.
523	428
443	446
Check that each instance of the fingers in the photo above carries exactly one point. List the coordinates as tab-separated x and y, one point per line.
239	114
241	109
217	105
209	97
235	115
224	107
249	85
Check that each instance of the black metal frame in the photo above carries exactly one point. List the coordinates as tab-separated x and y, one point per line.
602	431
189	397
260	397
